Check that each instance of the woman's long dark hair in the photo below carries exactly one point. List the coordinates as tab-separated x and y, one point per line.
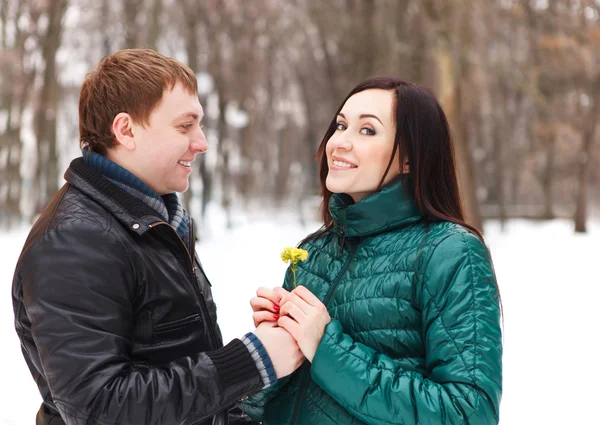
423	139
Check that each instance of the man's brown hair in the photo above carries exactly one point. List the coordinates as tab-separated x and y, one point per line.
131	81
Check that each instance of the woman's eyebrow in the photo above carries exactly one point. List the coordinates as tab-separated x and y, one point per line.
363	116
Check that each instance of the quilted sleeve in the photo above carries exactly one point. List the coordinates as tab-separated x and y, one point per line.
461	331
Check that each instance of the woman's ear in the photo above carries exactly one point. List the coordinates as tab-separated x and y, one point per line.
405	167
122	128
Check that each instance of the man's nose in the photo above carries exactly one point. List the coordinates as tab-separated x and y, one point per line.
199	143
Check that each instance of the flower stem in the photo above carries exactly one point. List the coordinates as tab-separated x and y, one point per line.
294	273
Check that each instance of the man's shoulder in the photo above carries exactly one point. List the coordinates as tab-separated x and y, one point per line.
72	214
71	206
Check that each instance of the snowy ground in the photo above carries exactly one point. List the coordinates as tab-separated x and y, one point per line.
550	287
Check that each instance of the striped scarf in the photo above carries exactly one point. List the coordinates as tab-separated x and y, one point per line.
168	207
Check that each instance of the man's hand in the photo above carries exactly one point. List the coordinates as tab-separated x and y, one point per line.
265	305
304	316
281	348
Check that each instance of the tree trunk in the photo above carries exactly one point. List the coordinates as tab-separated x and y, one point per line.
131	11
14	101
312	139
106	20
45	122
450	48
3	21
588	139
191	47
518	152
449	95
223	153
499	165
154	31
548	177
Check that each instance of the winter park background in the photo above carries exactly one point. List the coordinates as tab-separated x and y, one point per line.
519	80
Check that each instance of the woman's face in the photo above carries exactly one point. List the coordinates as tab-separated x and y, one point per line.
360	149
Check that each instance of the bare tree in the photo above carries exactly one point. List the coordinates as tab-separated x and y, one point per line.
14	99
132	9
453	24
512	77
48	103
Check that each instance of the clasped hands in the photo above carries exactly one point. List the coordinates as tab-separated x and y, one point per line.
299	312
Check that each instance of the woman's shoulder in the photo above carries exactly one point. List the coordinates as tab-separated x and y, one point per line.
429	235
441	230
449	241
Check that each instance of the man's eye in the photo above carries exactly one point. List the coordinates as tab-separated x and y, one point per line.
186	126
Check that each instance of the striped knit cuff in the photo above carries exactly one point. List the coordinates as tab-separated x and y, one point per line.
261	358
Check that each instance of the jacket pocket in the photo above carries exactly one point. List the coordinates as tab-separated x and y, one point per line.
143	327
176	324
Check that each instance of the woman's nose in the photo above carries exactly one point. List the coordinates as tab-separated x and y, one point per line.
342	142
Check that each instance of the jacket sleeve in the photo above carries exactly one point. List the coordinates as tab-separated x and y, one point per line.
462	336
254	406
237	416
78	290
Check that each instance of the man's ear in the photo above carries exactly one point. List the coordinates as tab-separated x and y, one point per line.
122	128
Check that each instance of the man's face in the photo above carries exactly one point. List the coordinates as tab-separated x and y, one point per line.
166	147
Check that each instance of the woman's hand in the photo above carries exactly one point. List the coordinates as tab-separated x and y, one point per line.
304	316
266	304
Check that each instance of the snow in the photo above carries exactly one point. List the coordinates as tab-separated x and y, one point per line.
550	290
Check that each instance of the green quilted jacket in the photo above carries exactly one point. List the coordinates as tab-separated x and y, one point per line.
415	332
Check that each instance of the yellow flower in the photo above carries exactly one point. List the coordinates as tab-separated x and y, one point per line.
294	255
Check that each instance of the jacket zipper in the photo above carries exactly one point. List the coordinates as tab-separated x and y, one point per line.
196	288
304	377
195	270
342	238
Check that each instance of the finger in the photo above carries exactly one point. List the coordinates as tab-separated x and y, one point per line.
259	303
295	299
266	324
280	294
264	316
306	295
291	326
268	294
292	310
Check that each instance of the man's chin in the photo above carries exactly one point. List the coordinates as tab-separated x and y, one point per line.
182	188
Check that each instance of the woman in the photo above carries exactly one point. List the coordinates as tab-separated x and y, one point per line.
398	316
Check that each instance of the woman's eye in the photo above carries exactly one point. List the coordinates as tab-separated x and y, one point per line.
367	131
340	126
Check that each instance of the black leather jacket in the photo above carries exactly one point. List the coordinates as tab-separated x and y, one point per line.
116	318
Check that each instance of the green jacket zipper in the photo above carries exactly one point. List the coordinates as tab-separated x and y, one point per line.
305	372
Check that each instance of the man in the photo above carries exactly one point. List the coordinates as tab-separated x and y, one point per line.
115	315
